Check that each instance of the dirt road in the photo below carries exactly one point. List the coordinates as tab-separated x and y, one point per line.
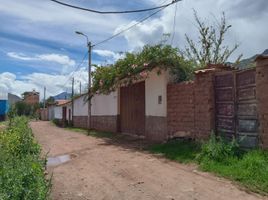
101	169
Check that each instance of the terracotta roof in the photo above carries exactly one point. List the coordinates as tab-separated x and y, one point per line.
204	70
62	102
215	67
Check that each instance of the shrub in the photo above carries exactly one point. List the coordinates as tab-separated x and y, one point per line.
21	169
218	149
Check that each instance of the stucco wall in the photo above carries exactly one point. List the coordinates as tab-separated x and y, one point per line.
105	105
58	112
155	86
81	106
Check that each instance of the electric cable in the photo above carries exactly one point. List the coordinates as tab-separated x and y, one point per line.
127	29
114	12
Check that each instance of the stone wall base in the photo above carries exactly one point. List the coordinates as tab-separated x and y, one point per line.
80	121
105	123
156	128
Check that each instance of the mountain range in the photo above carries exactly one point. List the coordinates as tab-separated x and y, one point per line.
63	95
249	62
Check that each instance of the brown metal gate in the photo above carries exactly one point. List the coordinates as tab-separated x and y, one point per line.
132	109
236	106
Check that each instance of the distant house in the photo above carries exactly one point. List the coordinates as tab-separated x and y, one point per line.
62	112
31	98
3	109
12	99
6	101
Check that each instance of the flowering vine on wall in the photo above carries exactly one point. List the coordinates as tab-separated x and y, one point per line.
136	66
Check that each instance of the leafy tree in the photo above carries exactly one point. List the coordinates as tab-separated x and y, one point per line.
22	108
210	48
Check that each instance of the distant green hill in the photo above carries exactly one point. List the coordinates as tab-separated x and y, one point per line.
249	62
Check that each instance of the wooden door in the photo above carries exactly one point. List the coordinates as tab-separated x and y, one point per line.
64	114
132	109
236	106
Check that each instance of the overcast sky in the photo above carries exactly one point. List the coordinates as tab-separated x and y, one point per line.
39	47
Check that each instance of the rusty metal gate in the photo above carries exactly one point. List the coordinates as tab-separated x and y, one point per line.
132	109
236	106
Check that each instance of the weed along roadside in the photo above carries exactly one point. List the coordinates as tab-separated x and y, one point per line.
225	159
22	173
249	169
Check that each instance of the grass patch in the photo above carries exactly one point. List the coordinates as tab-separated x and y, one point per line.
181	151
21	168
225	159
250	170
3	123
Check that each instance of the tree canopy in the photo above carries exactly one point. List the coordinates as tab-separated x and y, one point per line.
210	47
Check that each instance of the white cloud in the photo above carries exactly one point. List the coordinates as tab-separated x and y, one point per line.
248	31
20	56
57	58
109	54
65	62
52	22
54	84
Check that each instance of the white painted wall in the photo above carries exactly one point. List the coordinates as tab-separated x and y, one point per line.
105	105
80	106
58	112
156	85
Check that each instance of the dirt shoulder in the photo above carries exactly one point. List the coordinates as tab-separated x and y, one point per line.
101	169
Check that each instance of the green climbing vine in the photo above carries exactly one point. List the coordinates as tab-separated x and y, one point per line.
136	66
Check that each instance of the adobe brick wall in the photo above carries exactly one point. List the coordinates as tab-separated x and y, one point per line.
180	109
262	98
190	107
105	123
204	115
156	128
44	114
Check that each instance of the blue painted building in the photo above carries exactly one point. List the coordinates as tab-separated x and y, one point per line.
3	109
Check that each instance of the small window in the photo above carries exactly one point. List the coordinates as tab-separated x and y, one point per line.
159	99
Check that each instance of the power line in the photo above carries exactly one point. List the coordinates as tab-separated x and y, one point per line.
119	33
78	66
174	23
114	12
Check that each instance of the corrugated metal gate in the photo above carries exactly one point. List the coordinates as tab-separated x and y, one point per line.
132	109
236	106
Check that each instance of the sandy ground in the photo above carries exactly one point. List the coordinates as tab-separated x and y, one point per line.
102	169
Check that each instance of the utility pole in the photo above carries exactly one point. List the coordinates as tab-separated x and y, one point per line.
89	79
89	85
44	105
72	99
80	88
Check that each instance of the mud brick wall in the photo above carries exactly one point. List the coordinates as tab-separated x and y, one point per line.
44	114
204	105
190	107
262	98
180	109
